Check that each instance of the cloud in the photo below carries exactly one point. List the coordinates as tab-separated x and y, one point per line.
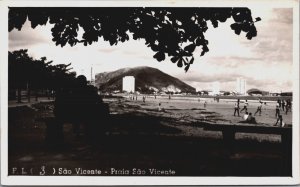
210	78
234	62
274	41
283	15
24	39
108	50
269	85
129	52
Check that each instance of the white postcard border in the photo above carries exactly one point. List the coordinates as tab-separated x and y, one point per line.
87	180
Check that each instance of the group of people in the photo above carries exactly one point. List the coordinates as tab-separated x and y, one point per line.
248	118
133	97
217	99
237	107
284	105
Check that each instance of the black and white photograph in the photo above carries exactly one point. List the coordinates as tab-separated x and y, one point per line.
140	92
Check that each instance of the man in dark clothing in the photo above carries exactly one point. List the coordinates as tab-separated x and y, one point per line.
288	106
245	108
251	119
283	105
236	109
277	110
258	109
279	102
280	120
82	105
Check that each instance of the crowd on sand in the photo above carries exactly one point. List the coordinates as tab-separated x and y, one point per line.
282	106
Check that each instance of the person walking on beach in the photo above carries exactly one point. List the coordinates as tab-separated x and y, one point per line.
258	109
260	101
159	106
279	102
288	106
204	104
277	110
280	120
144	99
283	105
236	109
245	108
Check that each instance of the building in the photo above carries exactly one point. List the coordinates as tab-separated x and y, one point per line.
128	84
241	86
216	88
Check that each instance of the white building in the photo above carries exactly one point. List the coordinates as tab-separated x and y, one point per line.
241	86
216	88
128	84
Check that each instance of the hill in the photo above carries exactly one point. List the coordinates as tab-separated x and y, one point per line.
147	79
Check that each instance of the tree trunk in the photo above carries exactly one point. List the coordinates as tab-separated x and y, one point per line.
28	93
48	94
19	95
36	95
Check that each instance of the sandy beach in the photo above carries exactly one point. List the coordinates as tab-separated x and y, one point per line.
141	136
187	112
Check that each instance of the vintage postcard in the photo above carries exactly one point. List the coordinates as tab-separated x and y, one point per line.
150	92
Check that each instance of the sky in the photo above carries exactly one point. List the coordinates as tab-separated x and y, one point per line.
265	62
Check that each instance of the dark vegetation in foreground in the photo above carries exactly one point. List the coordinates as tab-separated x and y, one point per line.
138	140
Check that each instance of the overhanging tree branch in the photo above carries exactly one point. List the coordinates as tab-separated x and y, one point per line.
173	32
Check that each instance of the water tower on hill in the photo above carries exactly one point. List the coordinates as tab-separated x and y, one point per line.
128	84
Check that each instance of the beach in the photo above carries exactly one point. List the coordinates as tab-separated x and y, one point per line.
140	136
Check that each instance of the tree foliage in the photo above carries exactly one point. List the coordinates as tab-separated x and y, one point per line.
173	32
37	74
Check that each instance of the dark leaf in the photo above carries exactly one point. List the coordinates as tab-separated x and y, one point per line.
190	48
174	59
185	61
187	67
160	56
199	41
192	60
214	23
204	50
179	64
252	33
236	27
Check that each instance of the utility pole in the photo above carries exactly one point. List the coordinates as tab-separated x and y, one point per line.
92	80
91	73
